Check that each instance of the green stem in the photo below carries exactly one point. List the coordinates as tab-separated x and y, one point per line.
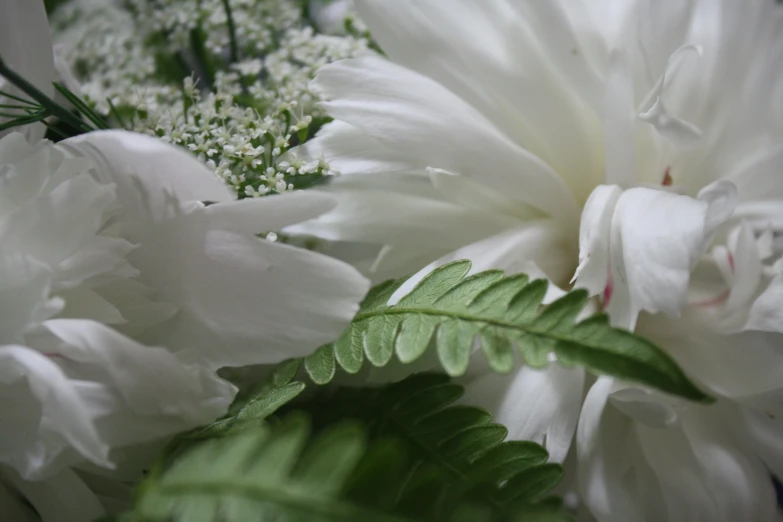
46	102
198	44
232	33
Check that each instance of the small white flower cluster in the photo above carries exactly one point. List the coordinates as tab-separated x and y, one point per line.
98	39
241	118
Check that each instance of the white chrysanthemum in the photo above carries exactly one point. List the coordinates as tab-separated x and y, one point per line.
496	124
122	294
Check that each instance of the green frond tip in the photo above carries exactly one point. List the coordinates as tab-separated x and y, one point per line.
503	315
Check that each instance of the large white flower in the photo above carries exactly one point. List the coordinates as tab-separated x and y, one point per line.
634	143
122	293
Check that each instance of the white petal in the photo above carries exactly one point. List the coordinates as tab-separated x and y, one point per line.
594	231
26	46
351	151
645	406
152	177
68	216
150	379
619	122
243	300
60	498
469	193
603	458
679	132
736	479
24	297
538	405
515	62
416	222
413	115
747	270
656	240
766	312
733	366
765	431
520	250
721	198
758	178
255	215
50	404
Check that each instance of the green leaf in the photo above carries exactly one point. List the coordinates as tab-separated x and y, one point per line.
495	299
414	337
256	409
455	344
349	349
531	484
435	284
448	310
379	338
320	365
468	289
498	348
286	371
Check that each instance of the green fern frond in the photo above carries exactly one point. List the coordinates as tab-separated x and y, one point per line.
455	451
401	453
452	312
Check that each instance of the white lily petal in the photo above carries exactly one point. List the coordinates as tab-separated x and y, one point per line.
656	240
38	394
594	232
538	405
26	46
360	91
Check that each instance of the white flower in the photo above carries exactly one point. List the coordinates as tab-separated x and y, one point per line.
122	293
496	125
